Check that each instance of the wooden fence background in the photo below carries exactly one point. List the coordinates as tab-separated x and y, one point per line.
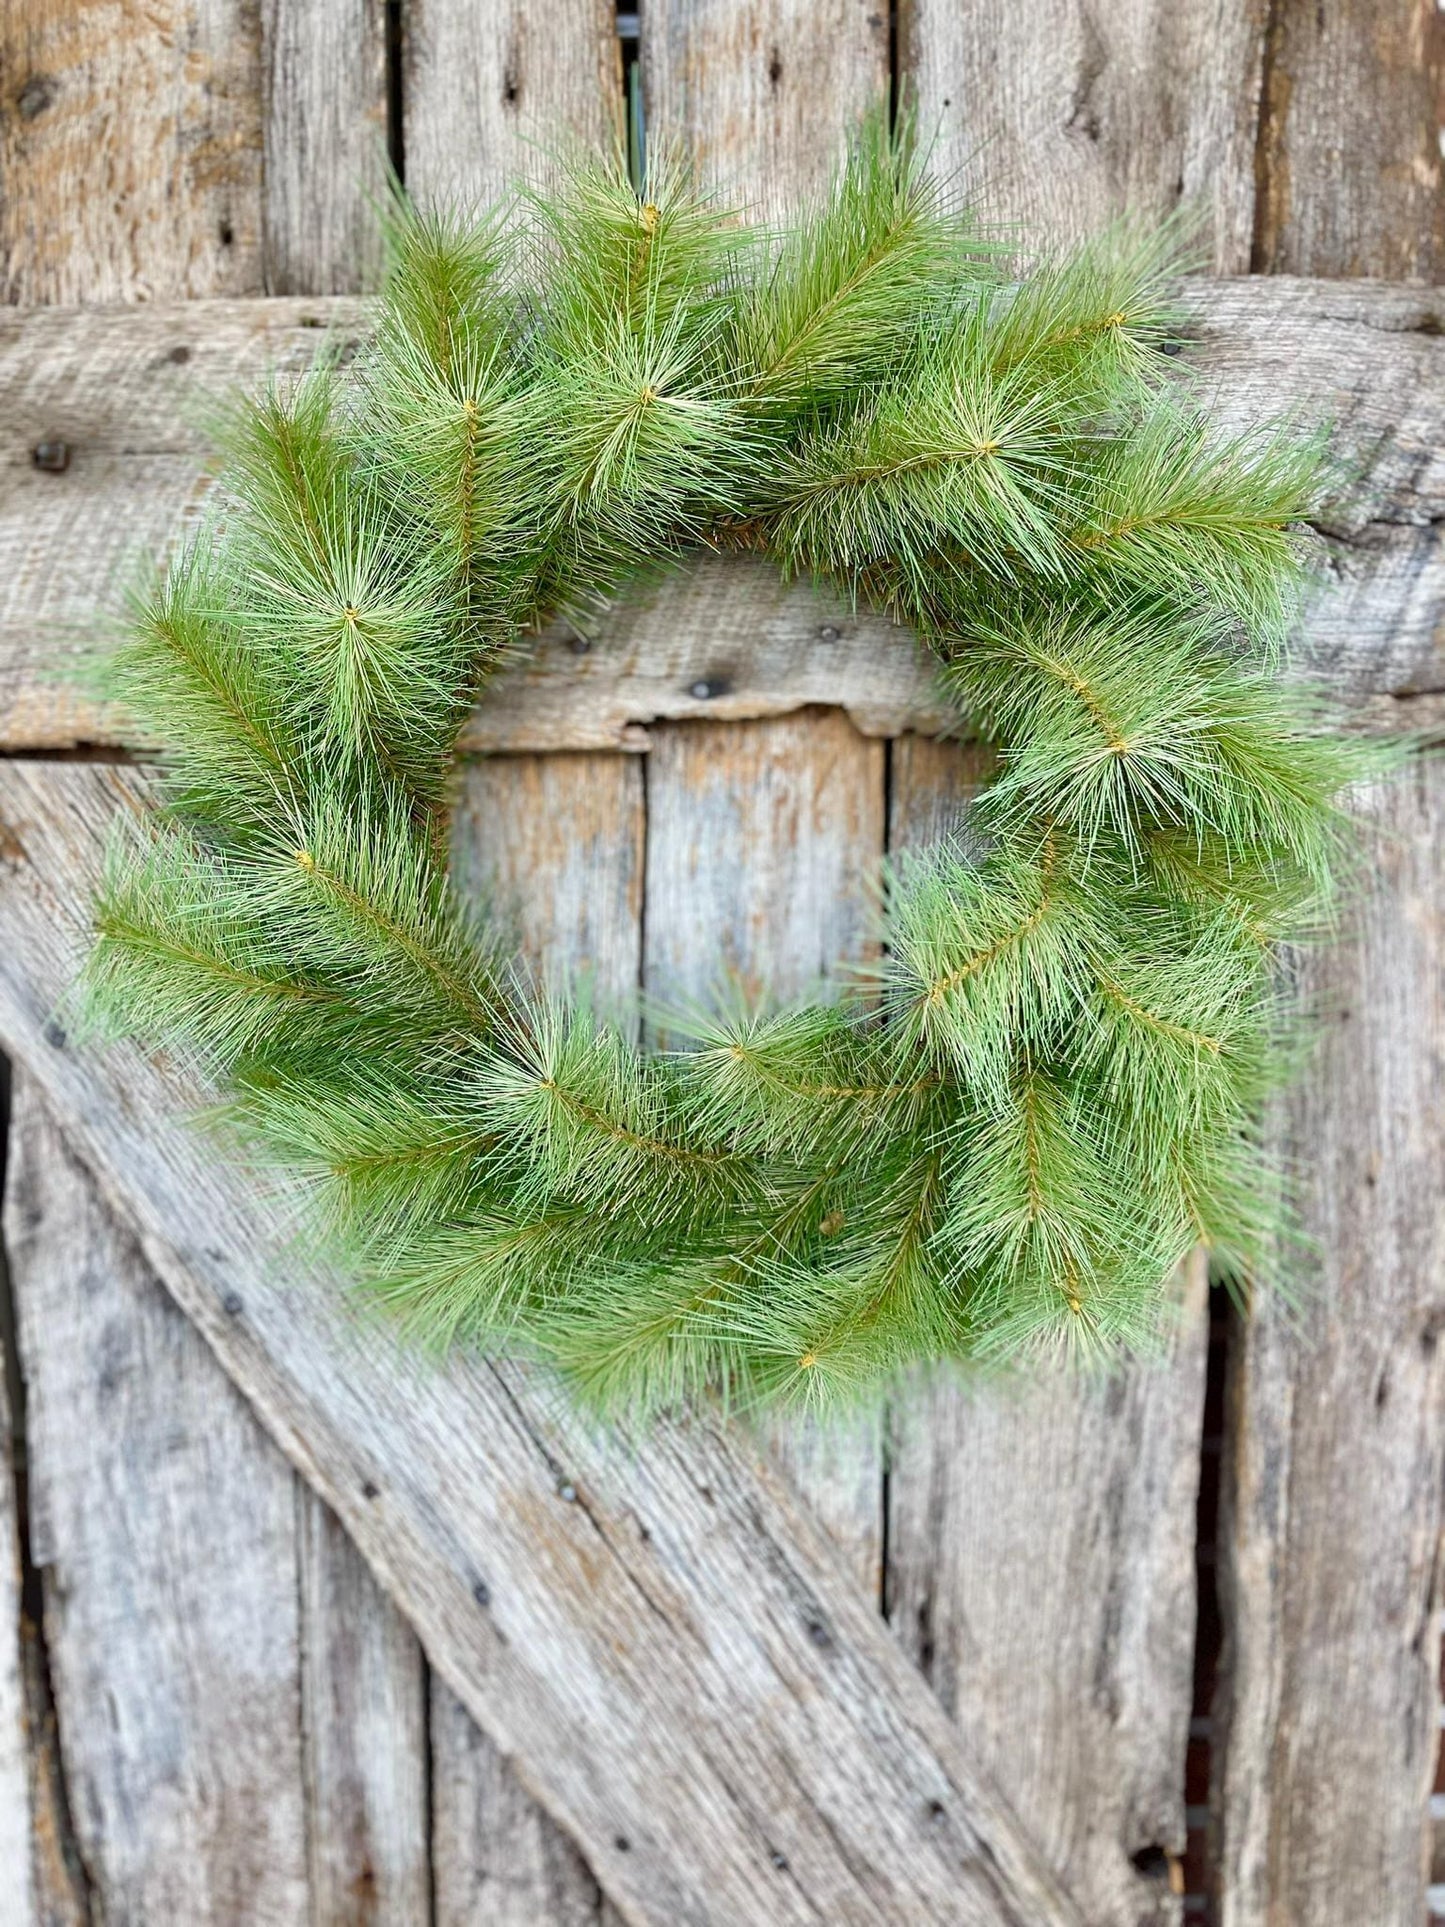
296	1630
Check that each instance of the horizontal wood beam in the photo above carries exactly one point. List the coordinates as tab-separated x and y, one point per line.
665	1640
103	463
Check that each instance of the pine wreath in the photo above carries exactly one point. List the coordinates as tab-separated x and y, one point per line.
1052	1090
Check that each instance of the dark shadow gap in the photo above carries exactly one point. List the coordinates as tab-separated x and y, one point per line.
1199	1856
395	90
45	1762
629	36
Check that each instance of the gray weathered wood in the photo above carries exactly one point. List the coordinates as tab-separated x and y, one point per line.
116	388
363	1733
1328	1544
743	88
1059	115
1335	1446
1349	161
324	91
16	1819
174	1652
131	150
664	1639
1041	1556
496	1855
764	849
491	92
556	844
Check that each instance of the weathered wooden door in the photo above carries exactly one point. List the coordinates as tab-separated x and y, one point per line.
300	1629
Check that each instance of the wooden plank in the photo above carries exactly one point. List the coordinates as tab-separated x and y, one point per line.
1349	154
363	1733
489	94
1335	1430
763	853
738	87
1335	1441
324	107
555	843
16	1818
131	150
497	1856
1041	1556
663	1638
174	1651
120	390
1058	117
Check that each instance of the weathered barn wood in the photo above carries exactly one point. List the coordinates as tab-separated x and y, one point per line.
727	644
260	122
365	1762
1055	1519
1349	157
1058	117
487	95
174	1656
1329	1575
754	1744
324	145
131	150
316	81
16	1817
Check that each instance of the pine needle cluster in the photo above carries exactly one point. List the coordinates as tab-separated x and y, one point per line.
1054	1089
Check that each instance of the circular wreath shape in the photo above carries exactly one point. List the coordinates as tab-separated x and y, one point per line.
1052	1089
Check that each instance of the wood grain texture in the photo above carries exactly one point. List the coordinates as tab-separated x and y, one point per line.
174	1651
742	87
764	848
363	1733
1335	1448
121	389
1056	117
1041	1555
324	94
1331	1517
131	150
663	1638
1349	162
491	92
555	844
496	1856
16	1818
763	853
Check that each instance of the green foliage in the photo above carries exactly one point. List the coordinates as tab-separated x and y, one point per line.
1053	1090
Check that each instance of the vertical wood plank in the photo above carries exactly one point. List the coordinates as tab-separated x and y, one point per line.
763	849
1060	114
1041	1555
1331	1509
764	838
324	99
556	844
130	149
499	1858
555	841
1349	157
16	1821
163	1521
488	90
762	97
1335	1439
364	1735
